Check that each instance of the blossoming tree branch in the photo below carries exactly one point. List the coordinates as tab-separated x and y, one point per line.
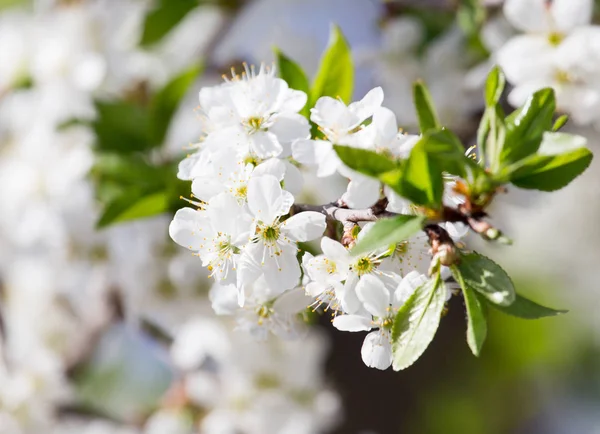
392	250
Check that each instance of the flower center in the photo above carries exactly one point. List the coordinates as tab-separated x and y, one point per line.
330	266
555	38
270	233
364	265
241	191
252	159
562	77
254	124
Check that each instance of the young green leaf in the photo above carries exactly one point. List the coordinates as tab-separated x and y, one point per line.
294	75
447	150
422	180
476	321
122	127
494	86
163	18
525	126
561	158
134	205
389	231
364	161
416	323
335	77
428	118
560	122
165	102
524	308
487	278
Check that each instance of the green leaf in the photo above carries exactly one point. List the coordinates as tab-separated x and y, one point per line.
476	321
165	102
487	278
122	127
524	308
550	170
494	86
163	18
389	231
422	180
133	205
294	75
416	323
364	161
525	127
426	114
560	122
335	77
447	150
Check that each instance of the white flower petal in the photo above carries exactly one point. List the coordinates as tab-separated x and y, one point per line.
528	15
374	295
265	144
186	227
266	199
367	106
289	127
352	323
376	351
282	271
304	226
527	57
362	192
292	302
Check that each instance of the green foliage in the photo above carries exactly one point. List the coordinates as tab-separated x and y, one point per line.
367	162
388	232
294	75
165	102
164	17
131	188
127	127
525	126
335	77
560	122
561	158
476	320
122	126
428	118
524	308
416	323
484	276
494	86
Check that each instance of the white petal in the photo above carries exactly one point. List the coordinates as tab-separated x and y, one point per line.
314	289
347	295
272	166
526	57
334	250
291	302
528	15
352	323
224	299
367	106
374	295
332	113
186	227
295	101
265	144
266	199
282	271
305	226
376	351
362	192
569	14
407	287
290	127
385	123
293	179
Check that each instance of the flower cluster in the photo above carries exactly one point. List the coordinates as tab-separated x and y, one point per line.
245	227
560	48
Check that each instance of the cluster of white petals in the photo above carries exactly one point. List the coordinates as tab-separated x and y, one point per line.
245	181
558	48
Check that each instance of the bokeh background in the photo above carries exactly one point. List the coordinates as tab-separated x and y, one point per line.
96	109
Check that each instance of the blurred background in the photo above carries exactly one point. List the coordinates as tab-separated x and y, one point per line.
106	324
